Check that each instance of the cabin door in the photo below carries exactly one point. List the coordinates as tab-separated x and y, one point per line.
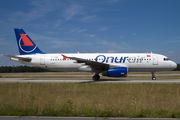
155	60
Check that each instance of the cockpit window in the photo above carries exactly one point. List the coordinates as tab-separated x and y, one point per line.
166	59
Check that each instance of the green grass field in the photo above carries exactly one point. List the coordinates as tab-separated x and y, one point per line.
90	100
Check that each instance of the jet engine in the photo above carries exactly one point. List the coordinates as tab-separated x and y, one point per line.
116	72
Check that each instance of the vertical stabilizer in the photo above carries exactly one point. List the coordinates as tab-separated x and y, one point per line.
25	44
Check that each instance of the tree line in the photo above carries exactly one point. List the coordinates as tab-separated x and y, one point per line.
25	68
178	68
20	69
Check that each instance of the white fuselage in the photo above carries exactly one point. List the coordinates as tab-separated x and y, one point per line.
135	62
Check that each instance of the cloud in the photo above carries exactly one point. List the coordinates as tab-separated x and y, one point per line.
111	44
74	30
120	37
112	1
72	11
112	51
171	52
114	45
92	35
176	38
88	18
134	33
103	29
78	30
65	43
59	22
39	9
1	21
83	30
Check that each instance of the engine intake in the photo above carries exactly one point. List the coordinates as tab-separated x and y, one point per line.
116	72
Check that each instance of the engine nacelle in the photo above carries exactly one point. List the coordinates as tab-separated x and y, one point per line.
116	72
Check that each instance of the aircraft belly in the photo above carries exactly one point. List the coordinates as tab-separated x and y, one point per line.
62	66
64	69
147	69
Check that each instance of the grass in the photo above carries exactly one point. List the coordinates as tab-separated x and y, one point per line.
90	100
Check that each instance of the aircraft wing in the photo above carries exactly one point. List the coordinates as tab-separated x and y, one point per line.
27	59
92	64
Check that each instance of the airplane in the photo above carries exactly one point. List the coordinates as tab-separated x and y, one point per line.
109	64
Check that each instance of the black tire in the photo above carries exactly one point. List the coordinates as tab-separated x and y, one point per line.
96	77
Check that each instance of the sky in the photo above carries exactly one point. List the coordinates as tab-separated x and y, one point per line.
92	26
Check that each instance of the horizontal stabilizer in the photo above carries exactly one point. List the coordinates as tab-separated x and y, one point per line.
27	59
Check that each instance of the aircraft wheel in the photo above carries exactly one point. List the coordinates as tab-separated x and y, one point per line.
96	77
153	75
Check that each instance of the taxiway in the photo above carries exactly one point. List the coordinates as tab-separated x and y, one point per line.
62	80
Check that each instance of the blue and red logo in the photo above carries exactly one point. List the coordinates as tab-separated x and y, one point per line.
25	44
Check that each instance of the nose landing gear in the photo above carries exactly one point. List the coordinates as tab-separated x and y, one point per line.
153	75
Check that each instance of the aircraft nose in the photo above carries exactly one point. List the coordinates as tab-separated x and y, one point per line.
173	65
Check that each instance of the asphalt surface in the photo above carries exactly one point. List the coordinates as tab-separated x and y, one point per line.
62	80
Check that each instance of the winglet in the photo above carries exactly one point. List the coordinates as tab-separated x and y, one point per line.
64	57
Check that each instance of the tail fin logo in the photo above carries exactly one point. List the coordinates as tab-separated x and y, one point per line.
26	44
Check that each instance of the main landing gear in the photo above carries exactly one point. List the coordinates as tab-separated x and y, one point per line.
96	77
153	75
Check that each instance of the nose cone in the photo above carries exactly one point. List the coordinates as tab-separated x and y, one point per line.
173	65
